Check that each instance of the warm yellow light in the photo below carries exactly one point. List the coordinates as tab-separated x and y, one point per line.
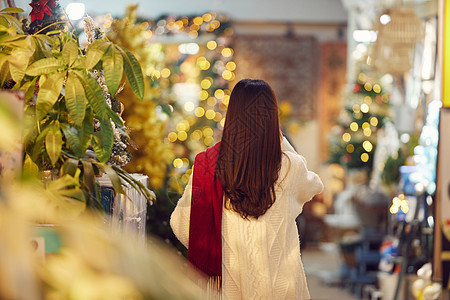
218	117
401	196
210	114
226	99
205	84
227	52
367	146
222	122
377	88
227	75
208	141
165	73
211	45
181	126
396	201
356	108
354	126
182	135
219	93
193	34
196	135
374	121
393	209
364	157
207	17
177	163
365	125
368	100
203	95
185	178
361	77
207	132
368	86
172	136
211	101
194	27
205	65
350	148
198	20
346	137
405	208
367	132
199	112
364	108
189	106
231	65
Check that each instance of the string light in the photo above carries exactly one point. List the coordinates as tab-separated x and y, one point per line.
354	126
178	163
374	121
368	86
398	203
199	112
211	45
346	137
364	157
367	146
350	148
172	136
364	108
182	135
377	88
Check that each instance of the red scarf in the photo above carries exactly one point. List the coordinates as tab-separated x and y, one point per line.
205	228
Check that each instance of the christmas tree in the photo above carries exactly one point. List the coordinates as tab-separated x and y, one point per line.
353	139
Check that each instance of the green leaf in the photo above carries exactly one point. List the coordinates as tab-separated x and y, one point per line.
71	135
12	10
88	176
30	169
67	188
45	66
49	93
114	117
70	53
113	69
4	72
29	125
13	22
80	63
39	144
94	94
18	62
95	52
87	130
103	140
69	167
29	88
75	99
53	142
133	71
114	177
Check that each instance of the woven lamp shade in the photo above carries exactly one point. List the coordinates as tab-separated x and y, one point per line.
394	48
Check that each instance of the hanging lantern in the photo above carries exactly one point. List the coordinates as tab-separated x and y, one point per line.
398	32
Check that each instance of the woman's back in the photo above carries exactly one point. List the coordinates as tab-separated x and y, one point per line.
261	257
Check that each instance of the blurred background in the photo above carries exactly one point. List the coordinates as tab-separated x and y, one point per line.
361	93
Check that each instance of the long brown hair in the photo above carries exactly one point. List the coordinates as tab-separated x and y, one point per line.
250	152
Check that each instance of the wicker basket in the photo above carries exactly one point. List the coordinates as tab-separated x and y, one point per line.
394	48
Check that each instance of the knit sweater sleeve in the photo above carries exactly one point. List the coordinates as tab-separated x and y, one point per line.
309	183
179	220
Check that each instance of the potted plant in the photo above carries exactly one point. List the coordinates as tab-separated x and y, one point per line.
72	118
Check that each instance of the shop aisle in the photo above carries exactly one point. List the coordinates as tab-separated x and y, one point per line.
322	268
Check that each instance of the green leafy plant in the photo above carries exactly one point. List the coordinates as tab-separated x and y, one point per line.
69	125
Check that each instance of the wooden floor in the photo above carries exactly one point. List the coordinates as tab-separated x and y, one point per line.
322	271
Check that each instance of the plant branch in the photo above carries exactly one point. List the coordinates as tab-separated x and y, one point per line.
53	24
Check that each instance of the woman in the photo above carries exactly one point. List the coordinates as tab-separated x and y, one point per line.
237	214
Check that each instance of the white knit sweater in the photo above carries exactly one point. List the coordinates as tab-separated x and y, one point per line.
261	258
